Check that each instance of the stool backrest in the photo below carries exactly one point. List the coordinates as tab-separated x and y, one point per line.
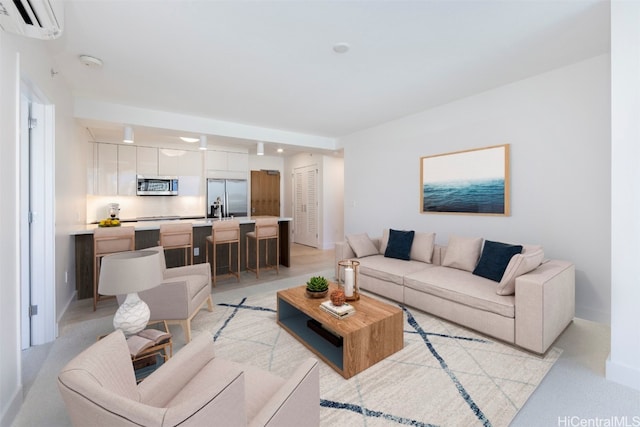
178	234
226	231
108	240
267	227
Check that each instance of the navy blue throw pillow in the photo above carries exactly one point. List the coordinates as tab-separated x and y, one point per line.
399	245
494	259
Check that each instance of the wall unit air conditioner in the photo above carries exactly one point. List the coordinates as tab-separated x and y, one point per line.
40	19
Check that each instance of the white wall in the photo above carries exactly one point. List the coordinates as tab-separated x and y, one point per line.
27	59
623	365
558	125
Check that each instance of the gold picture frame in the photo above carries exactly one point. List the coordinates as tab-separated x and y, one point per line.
472	181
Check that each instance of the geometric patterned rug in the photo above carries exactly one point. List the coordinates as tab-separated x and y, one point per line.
445	375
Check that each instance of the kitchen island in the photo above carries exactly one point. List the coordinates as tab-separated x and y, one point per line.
148	235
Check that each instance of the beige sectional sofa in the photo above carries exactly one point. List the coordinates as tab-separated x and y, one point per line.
531	304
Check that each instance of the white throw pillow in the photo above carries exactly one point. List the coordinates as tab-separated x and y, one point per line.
519	264
384	241
462	253
422	247
362	245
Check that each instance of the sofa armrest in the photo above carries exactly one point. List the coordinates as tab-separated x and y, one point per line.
219	401
203	269
163	383
169	300
298	399
342	251
545	304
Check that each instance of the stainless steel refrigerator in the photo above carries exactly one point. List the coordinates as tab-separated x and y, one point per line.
226	197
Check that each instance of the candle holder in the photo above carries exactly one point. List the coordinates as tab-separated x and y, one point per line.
348	279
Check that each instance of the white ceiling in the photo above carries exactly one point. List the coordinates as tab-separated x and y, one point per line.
270	64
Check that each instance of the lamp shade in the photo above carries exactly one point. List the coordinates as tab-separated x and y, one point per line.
129	272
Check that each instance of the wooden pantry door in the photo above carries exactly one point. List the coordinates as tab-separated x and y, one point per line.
265	192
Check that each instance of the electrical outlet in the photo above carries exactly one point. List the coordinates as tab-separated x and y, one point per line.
196	251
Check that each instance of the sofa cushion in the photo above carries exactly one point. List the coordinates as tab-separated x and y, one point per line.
389	269
384	240
362	245
422	247
462	252
461	287
494	259
399	244
520	264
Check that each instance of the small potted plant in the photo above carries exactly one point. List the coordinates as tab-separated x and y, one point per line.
317	287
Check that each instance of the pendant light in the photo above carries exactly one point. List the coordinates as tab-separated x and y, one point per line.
128	135
260	150
203	142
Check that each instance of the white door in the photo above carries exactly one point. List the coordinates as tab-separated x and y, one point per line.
305	225
37	247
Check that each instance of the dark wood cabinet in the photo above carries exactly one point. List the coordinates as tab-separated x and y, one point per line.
149	238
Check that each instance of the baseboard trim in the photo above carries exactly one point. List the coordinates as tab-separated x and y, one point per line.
12	408
622	374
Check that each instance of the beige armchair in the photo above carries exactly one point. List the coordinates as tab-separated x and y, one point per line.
191	389
180	296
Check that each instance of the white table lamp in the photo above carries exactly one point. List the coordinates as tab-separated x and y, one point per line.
129	273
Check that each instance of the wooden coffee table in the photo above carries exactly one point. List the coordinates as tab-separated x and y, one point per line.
348	345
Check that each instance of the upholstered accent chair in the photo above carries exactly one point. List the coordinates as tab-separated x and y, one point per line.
180	296
193	388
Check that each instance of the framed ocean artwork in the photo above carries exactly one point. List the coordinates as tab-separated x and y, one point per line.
466	182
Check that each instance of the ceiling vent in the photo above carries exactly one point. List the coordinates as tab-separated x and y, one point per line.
40	19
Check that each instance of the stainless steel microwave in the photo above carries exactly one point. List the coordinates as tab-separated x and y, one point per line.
157	186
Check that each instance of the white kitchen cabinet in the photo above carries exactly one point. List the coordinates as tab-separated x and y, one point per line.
238	162
179	162
218	163
107	169
168	161
92	168
127	164
147	161
217	160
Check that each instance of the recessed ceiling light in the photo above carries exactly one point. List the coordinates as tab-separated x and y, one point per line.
341	47
280	150
187	139
90	61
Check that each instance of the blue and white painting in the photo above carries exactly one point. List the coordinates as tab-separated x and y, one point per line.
474	181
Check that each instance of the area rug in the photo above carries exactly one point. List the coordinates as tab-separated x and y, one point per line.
444	376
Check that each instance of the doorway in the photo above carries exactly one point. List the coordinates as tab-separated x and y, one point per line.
265	193
37	219
305	202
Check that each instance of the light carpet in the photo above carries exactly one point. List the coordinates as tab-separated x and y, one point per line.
444	375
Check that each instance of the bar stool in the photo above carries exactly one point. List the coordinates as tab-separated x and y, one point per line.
109	240
266	229
178	236
223	233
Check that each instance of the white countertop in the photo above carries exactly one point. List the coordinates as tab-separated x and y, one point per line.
155	225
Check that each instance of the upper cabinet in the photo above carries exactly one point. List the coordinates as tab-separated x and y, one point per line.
227	164
147	161
107	169
112	169
179	162
127	164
